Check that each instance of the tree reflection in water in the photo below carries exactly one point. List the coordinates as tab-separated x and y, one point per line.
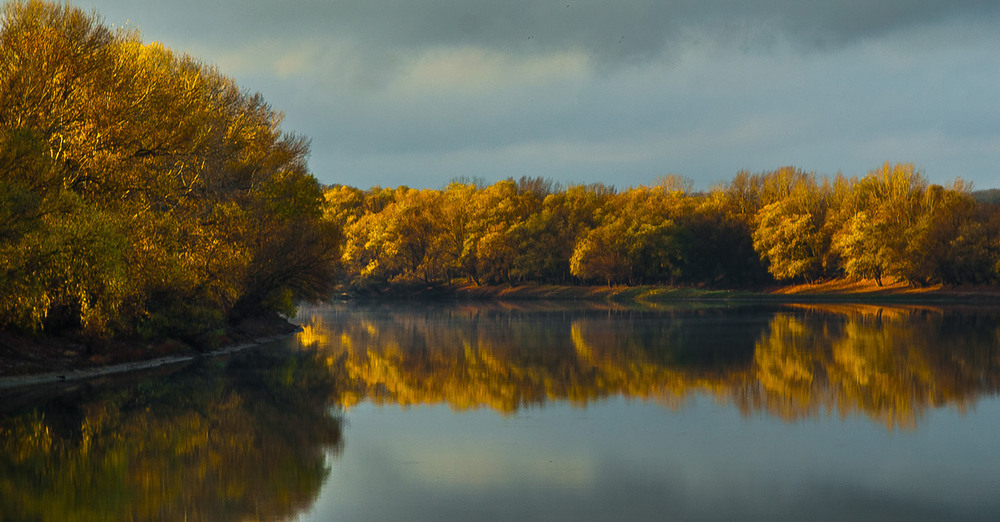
222	440
889	363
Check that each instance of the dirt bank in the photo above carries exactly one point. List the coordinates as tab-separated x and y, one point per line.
27	359
840	290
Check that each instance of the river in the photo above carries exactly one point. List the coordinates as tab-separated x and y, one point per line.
535	411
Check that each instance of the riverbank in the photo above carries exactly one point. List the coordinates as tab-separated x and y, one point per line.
27	359
75	374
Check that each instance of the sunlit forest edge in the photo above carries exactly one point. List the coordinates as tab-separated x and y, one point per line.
144	195
784	231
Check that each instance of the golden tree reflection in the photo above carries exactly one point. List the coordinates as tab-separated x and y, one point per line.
887	363
244	440
786	369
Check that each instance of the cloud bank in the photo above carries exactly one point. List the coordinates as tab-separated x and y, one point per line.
418	92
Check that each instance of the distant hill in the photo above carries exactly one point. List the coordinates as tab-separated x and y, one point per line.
987	195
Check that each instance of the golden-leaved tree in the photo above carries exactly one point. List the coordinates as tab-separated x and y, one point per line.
141	191
789	231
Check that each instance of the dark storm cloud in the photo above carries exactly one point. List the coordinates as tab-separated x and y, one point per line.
416	92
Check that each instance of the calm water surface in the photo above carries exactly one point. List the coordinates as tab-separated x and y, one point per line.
535	411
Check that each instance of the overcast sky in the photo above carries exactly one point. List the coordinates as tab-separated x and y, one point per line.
419	92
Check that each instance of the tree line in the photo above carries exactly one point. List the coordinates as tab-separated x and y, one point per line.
143	193
785	225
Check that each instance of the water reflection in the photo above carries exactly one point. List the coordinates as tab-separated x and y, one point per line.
891	364
887	363
253	437
241	439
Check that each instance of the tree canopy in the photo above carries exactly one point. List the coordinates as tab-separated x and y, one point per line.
785	225
143	192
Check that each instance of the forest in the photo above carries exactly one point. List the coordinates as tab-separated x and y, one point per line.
757	230
143	194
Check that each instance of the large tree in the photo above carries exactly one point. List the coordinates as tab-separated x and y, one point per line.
151	194
881	211
789	231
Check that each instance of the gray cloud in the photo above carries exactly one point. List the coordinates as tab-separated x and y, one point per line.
608	30
416	92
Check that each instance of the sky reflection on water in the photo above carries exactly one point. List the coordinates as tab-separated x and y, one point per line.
632	460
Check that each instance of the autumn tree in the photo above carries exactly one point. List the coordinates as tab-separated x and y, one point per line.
448	248
636	240
154	195
490	248
602	254
883	206
789	230
953	240
546	239
345	204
